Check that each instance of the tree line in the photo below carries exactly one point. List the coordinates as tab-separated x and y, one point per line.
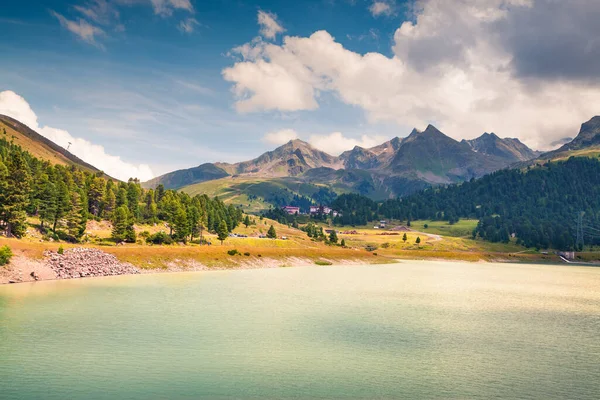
64	198
537	205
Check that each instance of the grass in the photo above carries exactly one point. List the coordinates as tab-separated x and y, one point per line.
238	190
368	245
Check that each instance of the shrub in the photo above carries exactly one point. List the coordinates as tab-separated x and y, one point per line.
5	255
61	249
371	247
232	252
160	238
425	226
385	245
322	262
247	254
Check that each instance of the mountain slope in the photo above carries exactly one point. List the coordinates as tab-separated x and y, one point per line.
375	157
292	159
510	149
585	144
185	177
435	158
39	146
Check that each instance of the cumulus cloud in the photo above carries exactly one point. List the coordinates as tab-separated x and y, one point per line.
468	66
83	29
280	137
335	143
165	8
15	106
379	8
269	27
188	25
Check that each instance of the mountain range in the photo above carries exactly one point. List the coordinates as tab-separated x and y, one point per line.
394	168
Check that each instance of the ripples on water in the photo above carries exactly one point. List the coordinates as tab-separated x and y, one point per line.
410	330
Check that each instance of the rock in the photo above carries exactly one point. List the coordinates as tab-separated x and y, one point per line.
34	275
83	262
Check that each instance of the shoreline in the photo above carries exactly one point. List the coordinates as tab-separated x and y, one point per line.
24	269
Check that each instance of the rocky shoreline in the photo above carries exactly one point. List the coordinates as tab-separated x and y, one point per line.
82	262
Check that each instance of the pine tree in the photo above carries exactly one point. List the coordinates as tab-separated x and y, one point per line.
343	243
76	217
404	237
15	195
333	237
121	222
222	232
110	203
47	202
247	221
271	233
181	224
418	240
95	195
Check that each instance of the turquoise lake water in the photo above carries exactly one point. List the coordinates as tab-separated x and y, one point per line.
408	330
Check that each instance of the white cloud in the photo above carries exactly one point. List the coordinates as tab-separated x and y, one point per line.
269	27
83	29
381	8
188	25
451	66
280	137
99	11
165	8
15	106
335	143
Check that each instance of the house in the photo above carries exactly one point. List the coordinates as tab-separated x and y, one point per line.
291	210
322	210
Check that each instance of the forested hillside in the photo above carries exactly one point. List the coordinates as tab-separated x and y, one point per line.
66	197
539	205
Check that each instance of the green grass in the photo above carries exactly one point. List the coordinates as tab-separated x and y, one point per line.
239	190
462	228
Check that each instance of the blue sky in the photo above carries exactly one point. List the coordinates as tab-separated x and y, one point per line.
163	83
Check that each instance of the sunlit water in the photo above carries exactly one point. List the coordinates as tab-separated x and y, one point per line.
410	330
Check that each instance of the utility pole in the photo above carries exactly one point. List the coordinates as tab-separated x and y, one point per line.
68	146
580	240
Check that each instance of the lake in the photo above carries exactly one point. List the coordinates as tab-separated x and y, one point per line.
406	330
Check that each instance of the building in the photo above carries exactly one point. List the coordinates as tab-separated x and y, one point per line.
322	210
291	210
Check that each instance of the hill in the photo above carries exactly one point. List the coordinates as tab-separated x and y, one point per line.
39	146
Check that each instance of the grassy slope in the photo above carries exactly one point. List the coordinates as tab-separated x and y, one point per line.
39	149
236	190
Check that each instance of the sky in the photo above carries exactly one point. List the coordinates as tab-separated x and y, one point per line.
143	87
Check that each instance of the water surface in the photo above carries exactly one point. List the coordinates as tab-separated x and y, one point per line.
409	330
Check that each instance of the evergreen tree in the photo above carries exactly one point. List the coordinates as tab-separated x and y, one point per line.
418	240
110	203
122	224
95	195
47	202
333	237
76	217
222	232
15	195
181	224
271	233
404	237
247	221
343	243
